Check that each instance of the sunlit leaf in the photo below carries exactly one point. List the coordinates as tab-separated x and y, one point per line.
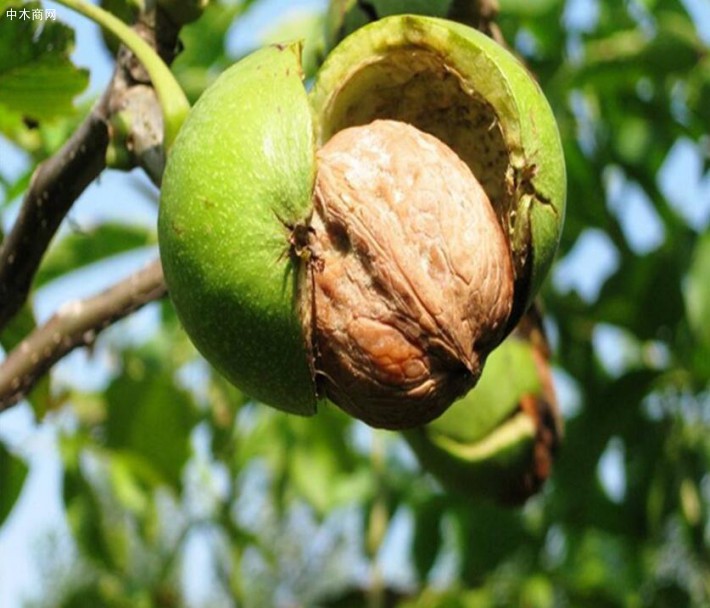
37	77
697	292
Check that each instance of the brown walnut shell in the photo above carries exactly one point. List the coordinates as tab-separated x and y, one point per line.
412	278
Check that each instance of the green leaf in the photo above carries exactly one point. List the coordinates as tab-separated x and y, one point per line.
433	8
126	486
21	326
527	8
322	466
85	516
151	418
12	477
80	249
204	56
100	529
427	534
487	536
18	329
676	46
89	595
604	568
633	139
15	189
614	60
697	292
450	598
37	78
645	279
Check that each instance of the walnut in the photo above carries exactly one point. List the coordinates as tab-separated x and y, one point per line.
413	280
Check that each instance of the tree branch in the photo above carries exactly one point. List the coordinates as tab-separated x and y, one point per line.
76	324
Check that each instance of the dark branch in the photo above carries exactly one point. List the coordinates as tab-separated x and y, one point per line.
75	324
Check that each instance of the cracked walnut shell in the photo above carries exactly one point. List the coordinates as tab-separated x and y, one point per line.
413	283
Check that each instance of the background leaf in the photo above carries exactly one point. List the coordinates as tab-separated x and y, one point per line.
12	478
78	249
37	77
148	416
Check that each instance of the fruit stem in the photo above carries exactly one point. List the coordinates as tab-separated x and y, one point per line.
172	98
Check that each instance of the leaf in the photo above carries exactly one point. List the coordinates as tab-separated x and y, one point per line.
85	517
204	42
676	46
427	540
486	535
633	139
604	568
80	249
527	8
433	8
12	478
89	595
21	326
697	291
16	188
126	11
322	467
37	78
100	527
612	60
645	279
150	417
126	486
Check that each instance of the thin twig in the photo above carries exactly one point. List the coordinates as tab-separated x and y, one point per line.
76	324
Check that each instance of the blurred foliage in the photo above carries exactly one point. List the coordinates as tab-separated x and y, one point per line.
167	460
32	53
